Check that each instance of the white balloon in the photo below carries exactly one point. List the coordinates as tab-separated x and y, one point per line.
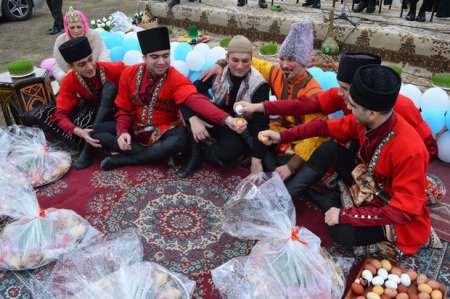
443	144
180	65
99	29
413	92
216	53
195	61
202	48
132	57
130	34
435	98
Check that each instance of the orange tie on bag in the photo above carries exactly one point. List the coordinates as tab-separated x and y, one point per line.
295	237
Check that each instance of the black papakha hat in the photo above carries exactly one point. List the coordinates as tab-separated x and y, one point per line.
75	49
375	87
153	40
350	62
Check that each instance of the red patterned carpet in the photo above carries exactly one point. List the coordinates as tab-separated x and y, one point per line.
179	220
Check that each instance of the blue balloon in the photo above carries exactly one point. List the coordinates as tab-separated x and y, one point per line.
447	120
337	114
114	39
194	75
181	51
208	64
434	118
116	53
131	44
328	80
104	35
210	92
316	72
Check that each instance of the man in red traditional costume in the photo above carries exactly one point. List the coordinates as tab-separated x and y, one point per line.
86	98
148	124
335	99
387	176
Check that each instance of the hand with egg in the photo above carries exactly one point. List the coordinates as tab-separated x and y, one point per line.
236	124
269	137
247	109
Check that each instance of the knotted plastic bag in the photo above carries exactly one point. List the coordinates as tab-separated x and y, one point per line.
112	267
36	237
261	209
31	155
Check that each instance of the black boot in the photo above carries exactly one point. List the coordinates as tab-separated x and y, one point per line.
210	156
262	3
305	178
421	16
195	161
86	157
370	6
361	6
241	3
172	3
323	199
411	16
308	3
316	4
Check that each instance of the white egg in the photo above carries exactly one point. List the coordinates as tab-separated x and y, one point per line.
383	273
391	284
367	275
378	281
405	280
239	109
394	278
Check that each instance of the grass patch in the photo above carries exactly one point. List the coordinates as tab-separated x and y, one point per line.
269	49
20	67
224	42
397	69
441	80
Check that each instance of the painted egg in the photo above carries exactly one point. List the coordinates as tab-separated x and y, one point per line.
391	293
377	280
412	274
402	296
357	289
390	284
367	275
405	279
397	271
386	265
424	288
433	284
394	277
371	268
372	295
378	290
436	294
383	273
421	279
376	263
424	296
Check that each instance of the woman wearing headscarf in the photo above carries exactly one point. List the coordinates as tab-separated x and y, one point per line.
76	25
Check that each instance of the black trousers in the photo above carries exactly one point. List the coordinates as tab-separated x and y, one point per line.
335	156
230	145
55	7
427	5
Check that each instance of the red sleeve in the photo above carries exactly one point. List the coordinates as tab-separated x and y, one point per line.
127	85
330	101
124	120
67	97
300	106
62	119
345	128
315	128
113	70
374	216
181	87
203	107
